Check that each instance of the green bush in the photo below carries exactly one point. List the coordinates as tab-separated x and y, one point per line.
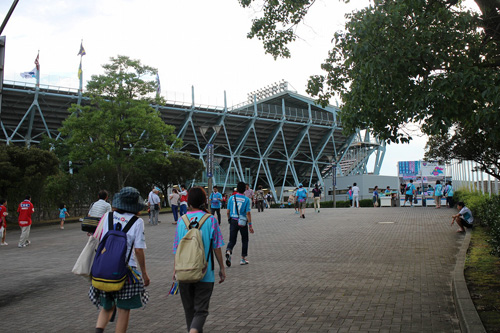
486	212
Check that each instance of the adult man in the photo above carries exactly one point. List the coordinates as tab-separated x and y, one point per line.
25	210
301	199
183	207
240	220
215	201
260	196
249	194
317	198
355	195
410	190
154	205
3	222
101	206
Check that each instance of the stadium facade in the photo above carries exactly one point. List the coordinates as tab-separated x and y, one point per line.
277	139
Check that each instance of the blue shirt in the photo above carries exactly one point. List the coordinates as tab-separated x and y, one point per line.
438	190
210	232
214	200
410	188
244	206
301	194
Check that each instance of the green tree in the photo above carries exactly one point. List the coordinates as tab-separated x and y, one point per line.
119	127
429	62
24	171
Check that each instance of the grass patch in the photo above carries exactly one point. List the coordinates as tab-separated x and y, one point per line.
482	274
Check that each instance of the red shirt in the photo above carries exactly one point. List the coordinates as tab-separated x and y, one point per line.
3	214
25	210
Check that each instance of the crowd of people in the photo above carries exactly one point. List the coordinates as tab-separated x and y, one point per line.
193	213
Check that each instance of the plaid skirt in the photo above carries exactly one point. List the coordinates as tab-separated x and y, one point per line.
129	290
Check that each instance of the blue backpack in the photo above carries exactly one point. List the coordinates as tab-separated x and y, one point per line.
110	268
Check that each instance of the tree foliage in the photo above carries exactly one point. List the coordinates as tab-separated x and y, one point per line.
429	62
24	172
119	127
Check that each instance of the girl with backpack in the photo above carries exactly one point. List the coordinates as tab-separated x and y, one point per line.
127	204
196	296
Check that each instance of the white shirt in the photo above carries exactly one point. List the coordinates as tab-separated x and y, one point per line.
174	199
355	190
135	236
153	198
99	208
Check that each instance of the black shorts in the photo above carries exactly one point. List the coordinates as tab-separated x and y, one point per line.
409	197
465	223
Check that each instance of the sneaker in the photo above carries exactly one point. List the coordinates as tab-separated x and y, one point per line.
296	212
243	262
62	228
228	259
27	243
4	243
21	245
318	211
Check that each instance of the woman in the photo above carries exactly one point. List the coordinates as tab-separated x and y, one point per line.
438	193
126	204
174	203
196	296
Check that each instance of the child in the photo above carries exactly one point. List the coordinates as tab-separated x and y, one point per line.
63	212
464	217
3	222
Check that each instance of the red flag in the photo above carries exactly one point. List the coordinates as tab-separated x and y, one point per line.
37	63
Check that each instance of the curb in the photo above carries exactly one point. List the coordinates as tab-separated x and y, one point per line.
467	313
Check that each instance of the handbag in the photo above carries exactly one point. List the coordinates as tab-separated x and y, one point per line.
84	262
157	207
89	223
242	220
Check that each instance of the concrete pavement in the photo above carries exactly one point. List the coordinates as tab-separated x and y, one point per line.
342	270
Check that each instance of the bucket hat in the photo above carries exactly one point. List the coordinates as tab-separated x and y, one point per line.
128	199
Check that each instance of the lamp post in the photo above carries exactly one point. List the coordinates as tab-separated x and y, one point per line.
334	183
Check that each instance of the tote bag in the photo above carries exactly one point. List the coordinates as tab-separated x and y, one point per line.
84	262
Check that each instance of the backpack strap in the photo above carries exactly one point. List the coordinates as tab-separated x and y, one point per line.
125	230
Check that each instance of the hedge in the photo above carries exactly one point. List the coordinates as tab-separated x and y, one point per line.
486	212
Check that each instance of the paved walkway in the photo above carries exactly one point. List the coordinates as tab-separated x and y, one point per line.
342	270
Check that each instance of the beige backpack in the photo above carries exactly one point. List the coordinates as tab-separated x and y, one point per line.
190	261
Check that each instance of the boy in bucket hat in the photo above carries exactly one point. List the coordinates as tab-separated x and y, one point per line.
126	204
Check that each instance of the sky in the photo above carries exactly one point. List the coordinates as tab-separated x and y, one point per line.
192	43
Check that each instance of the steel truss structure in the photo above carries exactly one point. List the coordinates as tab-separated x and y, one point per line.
281	140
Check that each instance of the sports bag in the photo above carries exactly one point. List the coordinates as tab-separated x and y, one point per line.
110	268
89	224
190	261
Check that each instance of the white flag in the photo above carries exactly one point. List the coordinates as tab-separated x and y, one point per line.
29	75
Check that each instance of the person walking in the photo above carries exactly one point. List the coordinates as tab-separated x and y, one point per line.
101	206
195	297
174	204
183	200
154	205
349	194
301	197
355	195
260	196
3	221
375	196
240	220
410	191
63	212
25	209
317	198
215	203
249	193
133	295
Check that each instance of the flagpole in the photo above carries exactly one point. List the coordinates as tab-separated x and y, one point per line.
80	88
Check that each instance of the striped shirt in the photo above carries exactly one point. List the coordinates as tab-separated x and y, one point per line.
99	208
